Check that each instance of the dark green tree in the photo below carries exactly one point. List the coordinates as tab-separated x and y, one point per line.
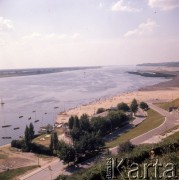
54	142
27	137
134	106
144	106
76	123
67	153
123	106
31	131
84	123
100	124
71	122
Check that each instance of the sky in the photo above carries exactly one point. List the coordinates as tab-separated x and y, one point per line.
60	33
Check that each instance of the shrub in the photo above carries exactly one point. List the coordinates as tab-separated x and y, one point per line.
20	144
100	110
144	106
123	106
40	149
125	147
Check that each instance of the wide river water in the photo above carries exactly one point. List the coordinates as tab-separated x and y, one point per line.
35	97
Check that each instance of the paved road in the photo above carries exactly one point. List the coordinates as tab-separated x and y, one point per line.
171	120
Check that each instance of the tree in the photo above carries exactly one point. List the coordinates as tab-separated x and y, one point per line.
76	123
71	122
144	106
100	110
84	123
31	131
67	153
27	137
100	123
134	106
54	142
123	106
89	142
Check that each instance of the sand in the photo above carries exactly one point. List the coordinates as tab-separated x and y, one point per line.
164	95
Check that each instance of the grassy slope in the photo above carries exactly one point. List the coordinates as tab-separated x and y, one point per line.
166	105
153	120
11	174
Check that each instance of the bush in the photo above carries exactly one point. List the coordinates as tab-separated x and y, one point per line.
40	149
123	106
20	144
144	106
100	110
125	147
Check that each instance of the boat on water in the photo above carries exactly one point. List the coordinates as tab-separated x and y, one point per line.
6	126
36	121
20	116
16	128
2	102
6	137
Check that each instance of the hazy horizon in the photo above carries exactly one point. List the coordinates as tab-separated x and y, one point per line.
68	33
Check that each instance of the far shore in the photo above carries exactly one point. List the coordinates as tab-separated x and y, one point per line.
165	91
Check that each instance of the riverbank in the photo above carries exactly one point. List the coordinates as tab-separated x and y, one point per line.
165	91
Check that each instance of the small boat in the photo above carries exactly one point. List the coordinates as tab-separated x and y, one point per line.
6	126
45	113
2	102
6	137
29	118
16	128
33	111
20	116
56	107
36	121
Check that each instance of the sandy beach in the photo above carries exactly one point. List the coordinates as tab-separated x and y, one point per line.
165	91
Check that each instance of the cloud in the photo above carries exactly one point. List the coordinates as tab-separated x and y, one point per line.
143	29
164	4
120	6
5	25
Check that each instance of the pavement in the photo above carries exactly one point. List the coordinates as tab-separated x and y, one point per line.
171	120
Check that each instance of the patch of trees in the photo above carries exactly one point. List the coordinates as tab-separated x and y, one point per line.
27	145
86	140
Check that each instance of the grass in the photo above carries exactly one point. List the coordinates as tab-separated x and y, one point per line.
44	142
153	120
46	137
166	105
10	174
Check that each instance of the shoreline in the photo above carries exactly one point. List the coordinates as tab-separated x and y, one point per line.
163	91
